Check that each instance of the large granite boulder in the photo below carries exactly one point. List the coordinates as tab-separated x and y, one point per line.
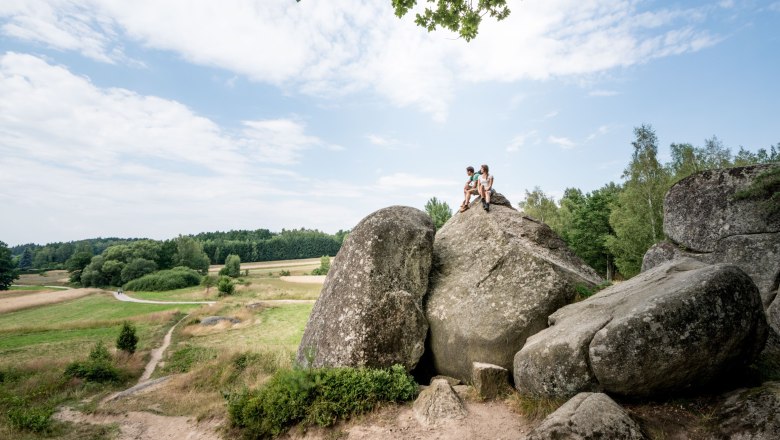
588	416
437	404
497	276
700	210
680	325
369	312
704	222
750	414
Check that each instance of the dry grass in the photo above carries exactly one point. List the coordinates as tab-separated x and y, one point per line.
533	408
36	299
48	278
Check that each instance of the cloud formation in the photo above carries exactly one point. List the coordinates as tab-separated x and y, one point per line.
344	46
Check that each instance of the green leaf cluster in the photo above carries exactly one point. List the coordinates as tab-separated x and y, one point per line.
439	211
460	16
316	397
226	286
232	266
8	270
324	266
99	367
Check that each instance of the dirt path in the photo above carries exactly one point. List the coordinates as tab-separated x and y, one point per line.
37	298
137	425
122	297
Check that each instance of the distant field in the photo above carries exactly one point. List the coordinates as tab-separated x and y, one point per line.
48	278
23	299
26	287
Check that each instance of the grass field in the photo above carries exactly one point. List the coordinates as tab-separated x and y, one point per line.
39	287
40	341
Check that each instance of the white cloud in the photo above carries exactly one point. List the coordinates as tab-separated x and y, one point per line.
405	181
563	142
600	93
601	131
381	141
520	140
113	162
342	46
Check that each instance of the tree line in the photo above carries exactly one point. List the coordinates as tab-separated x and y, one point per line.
257	245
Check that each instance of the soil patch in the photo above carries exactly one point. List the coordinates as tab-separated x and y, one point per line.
137	425
37	298
304	279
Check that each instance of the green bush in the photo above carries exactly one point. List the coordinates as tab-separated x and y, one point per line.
232	266
324	266
127	340
316	396
284	273
99	367
225	286
30	418
176	278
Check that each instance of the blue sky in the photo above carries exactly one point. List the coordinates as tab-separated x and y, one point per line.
155	118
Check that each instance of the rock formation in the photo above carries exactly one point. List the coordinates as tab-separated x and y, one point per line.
679	325
703	221
437	404
369	312
497	276
588	416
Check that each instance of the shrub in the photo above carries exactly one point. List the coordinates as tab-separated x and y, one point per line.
29	418
284	273
232	266
324	266
127	340
176	278
98	367
225	286
316	396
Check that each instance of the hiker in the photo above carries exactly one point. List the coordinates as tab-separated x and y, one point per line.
485	186
470	188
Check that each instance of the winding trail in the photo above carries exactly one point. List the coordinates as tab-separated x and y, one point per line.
122	297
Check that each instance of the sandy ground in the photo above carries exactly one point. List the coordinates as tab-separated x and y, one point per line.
491	420
143	425
34	299
304	279
486	420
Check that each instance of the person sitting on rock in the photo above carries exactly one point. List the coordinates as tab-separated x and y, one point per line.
485	186
470	188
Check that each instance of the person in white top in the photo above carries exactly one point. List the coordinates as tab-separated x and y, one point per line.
485	187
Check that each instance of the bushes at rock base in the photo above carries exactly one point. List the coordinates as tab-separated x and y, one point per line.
316	396
171	279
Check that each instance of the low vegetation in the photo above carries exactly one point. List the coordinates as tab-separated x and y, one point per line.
316	397
176	278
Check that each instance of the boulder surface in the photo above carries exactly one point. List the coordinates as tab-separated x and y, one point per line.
704	222
588	416
369	312
497	276
752	414
680	325
437	404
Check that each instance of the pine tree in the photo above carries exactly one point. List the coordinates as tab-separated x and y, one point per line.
127	340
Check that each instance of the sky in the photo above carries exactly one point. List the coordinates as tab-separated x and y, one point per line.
159	118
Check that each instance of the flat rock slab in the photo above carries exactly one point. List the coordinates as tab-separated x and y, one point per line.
588	416
214	320
677	326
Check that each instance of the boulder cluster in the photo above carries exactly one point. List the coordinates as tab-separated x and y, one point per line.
490	298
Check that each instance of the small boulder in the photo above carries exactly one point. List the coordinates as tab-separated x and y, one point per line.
369	313
214	320
750	414
679	325
497	276
489	380
437	404
588	416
